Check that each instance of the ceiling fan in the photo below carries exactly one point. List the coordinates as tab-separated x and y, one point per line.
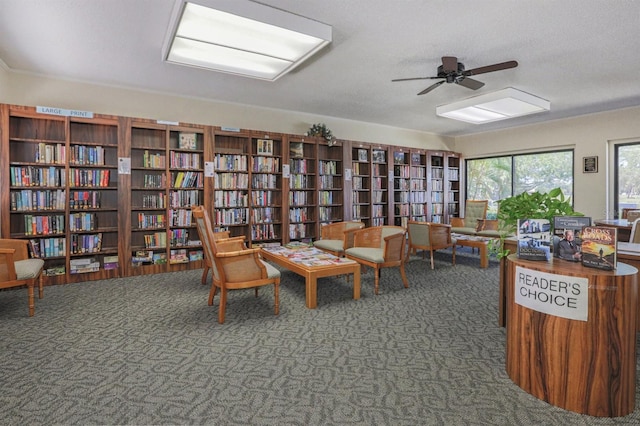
452	71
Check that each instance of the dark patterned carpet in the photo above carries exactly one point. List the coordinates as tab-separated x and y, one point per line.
148	350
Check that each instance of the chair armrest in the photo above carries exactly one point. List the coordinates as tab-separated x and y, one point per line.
244	252
490	225
349	237
229	245
457	222
6	259
20	247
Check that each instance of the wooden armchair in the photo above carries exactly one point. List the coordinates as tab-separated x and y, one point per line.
16	269
474	210
217	236
379	247
234	266
336	237
635	232
430	236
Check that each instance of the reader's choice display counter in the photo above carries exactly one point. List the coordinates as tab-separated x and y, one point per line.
571	334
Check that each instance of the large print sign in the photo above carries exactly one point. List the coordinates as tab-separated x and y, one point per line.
560	295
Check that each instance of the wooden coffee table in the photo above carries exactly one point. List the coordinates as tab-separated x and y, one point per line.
311	272
480	243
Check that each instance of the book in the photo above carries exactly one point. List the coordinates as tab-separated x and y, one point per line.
195	255
534	239
599	247
264	147
296	150
187	140
567	236
159	258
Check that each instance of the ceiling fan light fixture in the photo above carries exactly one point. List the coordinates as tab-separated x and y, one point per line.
500	105
241	37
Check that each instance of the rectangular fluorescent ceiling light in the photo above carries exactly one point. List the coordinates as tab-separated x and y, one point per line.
500	105
241	37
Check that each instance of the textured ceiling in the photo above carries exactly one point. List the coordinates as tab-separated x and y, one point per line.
581	55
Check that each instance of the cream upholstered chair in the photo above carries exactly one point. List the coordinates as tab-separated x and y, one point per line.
474	210
635	232
208	263
379	247
234	266
430	237
16	269
336	237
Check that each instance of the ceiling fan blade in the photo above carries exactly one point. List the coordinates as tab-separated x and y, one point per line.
414	78
491	68
449	64
470	83
430	88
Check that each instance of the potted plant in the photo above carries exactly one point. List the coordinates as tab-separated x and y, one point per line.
529	205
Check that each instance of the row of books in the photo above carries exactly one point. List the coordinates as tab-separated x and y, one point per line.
86	243
87	155
230	162
184	198
298	181
50	153
184	160
153	160
83	222
89	177
85	200
21	176
572	238
43	225
187	179
31	200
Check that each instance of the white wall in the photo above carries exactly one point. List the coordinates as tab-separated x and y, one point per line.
589	135
29	90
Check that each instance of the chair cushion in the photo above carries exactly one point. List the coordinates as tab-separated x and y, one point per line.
331	245
272	272
463	230
28	269
370	254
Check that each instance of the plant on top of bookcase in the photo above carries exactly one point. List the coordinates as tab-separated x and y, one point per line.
320	129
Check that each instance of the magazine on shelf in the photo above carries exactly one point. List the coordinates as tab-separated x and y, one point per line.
599	247
567	236
534	239
296	150
187	140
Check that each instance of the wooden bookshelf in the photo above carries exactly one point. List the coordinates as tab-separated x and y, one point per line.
302	189
435	173
401	186
112	196
231	183
265	214
330	182
361	205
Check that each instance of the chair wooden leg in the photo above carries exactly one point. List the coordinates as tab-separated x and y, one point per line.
256	291
32	305
223	305
212	293
40	287
376	280
205	272
431	251
453	256
276	296
404	276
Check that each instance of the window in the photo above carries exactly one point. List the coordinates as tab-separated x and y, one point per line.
495	178
627	177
